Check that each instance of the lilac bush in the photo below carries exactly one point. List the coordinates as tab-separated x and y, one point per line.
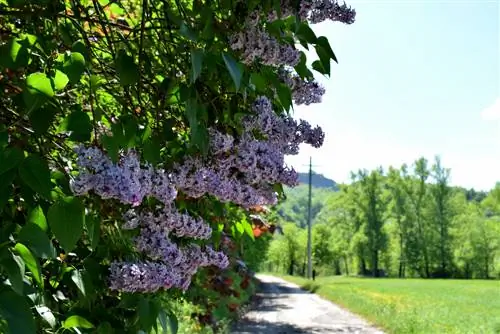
240	169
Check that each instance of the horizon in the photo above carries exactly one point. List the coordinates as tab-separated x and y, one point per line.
400	94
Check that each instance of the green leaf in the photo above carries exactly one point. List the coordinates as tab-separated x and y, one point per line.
80	47
323	42
66	219
324	58
80	125
163	320
174	323
76	277
197	115
302	69
37	217
46	314
92	226
151	150
235	69
196	64
16	53
42	118
127	69
16	311
248	228
76	321
38	90
285	96
60	80
239	228
38	241
36	174
185	31
258	81
305	33
30	261
14	267
74	66
111	146
148	313
318	66
10	158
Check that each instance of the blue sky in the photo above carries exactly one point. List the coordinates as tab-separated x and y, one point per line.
415	78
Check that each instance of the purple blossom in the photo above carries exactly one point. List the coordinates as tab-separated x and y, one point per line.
257	45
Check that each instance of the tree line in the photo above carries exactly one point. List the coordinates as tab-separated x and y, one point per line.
400	222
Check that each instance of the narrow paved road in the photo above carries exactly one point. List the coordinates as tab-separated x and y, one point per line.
283	307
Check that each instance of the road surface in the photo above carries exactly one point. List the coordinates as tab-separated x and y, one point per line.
282	307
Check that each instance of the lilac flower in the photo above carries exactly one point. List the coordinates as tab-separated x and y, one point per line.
257	45
303	91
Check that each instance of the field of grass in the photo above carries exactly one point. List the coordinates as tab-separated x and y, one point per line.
415	305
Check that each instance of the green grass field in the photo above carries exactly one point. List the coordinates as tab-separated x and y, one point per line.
415	305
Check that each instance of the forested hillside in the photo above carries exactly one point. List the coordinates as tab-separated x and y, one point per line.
401	222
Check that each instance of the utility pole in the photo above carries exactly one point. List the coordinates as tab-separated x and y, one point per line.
309	223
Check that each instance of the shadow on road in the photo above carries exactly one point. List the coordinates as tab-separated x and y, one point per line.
262	326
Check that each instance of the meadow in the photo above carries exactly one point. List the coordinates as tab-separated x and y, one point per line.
415	305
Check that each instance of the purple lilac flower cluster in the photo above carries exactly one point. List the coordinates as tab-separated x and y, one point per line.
242	171
303	91
129	182
177	272
256	44
126	180
168	220
315	11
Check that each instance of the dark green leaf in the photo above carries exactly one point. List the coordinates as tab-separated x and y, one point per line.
127	69
285	96
92	226
38	241
80	125
174	323
258	81
148	312
16	311
324	58
30	261
42	118
318	66
306	34
302	69
36	174
66	219
76	321
60	80
235	69
10	158
323	42
111	146
38	90
196	64
74	66
76	277
185	31
14	266
162	319
47	315
151	150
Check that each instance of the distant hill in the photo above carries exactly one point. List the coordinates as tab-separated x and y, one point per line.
318	181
